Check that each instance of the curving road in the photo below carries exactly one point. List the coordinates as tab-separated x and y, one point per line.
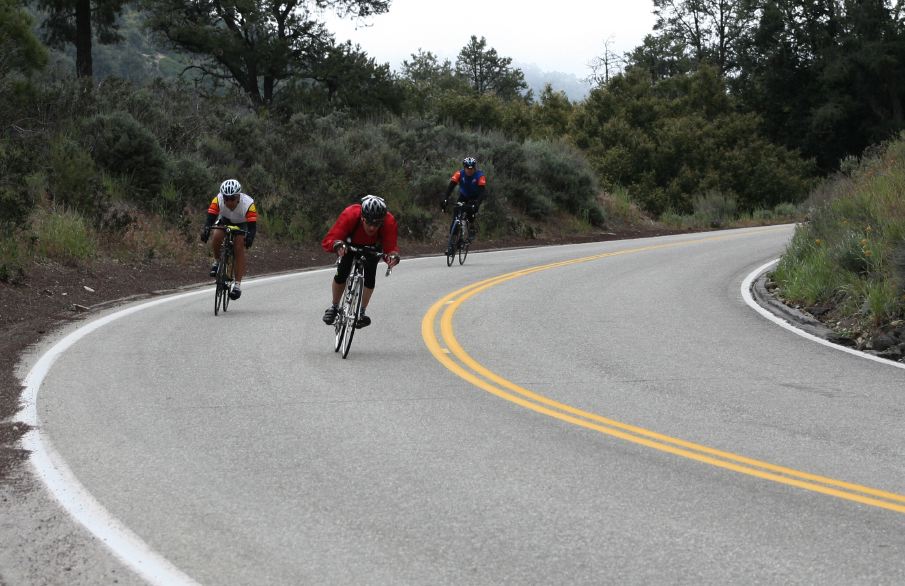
620	417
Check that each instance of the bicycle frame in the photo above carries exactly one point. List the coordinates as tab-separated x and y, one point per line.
226	268
458	235
350	307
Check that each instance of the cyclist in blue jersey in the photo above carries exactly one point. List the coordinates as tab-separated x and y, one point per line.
472	184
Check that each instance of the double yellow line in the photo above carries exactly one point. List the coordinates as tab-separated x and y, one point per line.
447	350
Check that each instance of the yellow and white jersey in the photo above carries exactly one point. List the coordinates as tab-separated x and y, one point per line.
244	212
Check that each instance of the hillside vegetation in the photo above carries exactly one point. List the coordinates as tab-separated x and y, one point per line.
847	263
118	128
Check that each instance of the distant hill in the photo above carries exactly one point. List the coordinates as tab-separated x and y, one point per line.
575	88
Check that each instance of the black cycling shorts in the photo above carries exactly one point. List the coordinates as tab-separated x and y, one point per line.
345	267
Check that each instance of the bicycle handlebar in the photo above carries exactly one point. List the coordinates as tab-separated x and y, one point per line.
368	251
229	227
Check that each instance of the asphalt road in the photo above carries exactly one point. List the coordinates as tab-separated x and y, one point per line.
625	417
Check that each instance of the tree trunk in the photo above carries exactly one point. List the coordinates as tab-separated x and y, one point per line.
83	64
251	84
268	89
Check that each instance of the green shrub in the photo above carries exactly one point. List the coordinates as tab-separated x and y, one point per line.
192	180
15	206
257	181
536	203
73	180
852	254
786	210
118	217
564	173
619	206
18	194
121	145
808	274
715	209
672	219
251	138
878	300
13	256
63	236
219	154
414	223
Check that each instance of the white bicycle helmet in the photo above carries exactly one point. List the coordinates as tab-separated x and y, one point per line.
373	208
230	187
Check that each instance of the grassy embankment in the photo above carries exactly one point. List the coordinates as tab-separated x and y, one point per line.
847	263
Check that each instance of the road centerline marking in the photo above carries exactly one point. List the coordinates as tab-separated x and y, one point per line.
451	355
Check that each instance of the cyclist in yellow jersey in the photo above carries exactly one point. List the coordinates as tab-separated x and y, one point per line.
232	207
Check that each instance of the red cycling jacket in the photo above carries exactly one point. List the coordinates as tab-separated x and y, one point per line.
349	224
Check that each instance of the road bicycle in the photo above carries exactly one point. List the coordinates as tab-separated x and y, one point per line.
350	310
459	234
226	266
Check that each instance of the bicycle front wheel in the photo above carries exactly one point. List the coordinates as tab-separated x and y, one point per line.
339	324
354	310
452	245
339	327
221	292
230	277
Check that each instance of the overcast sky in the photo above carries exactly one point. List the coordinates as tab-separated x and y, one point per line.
560	35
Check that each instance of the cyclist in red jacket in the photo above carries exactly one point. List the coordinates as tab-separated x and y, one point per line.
364	224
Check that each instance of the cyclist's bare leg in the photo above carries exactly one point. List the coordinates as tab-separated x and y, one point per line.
337	290
239	249
365	297
216	242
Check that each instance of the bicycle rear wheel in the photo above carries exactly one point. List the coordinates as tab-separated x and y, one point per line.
454	236
354	310
463	244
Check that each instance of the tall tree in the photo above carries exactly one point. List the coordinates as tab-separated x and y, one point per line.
20	50
827	76
352	79
488	73
426	78
254	44
661	56
605	66
77	22
552	115
709	29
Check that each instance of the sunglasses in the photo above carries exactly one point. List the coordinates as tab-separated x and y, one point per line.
230	197
375	223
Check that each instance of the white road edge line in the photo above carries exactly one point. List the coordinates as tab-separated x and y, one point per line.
749	299
62	483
